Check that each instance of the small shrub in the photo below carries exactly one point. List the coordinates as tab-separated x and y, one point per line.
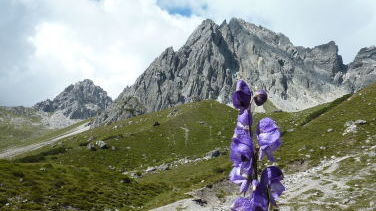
219	170
126	180
41	156
3	201
83	144
18	173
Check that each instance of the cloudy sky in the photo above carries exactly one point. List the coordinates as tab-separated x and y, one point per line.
45	45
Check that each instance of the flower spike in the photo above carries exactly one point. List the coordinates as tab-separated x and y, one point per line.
265	191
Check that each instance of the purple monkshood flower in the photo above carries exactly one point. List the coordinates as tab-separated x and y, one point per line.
271	177
242	96
268	137
243	180
260	97
241	152
257	202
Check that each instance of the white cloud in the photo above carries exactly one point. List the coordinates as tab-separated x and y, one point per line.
46	45
111	42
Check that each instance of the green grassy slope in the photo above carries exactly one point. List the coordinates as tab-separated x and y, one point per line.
138	144
19	124
61	187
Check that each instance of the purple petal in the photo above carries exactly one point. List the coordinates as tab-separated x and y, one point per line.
276	189
241	204
242	96
243	87
259	200
245	186
241	156
268	137
242	128
244	120
265	125
240	100
269	155
239	133
240	152
246	168
271	139
243	137
238	178
235	176
272	176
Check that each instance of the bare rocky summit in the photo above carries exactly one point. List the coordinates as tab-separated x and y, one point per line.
81	100
77	102
215	56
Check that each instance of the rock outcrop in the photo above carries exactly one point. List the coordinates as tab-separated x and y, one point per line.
215	56
362	71
81	100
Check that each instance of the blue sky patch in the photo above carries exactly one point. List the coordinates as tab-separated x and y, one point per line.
181	8
180	11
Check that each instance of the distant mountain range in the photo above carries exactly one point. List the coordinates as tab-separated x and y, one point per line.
215	56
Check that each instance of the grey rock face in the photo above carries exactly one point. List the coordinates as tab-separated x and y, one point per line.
360	122
213	154
362	71
215	56
164	167
122	108
150	169
79	101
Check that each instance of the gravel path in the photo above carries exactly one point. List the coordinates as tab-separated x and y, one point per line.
12	152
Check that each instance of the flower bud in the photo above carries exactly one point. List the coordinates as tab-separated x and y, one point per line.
242	96
260	97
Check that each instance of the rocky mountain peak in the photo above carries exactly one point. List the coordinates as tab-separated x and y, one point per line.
81	100
368	53
215	56
205	32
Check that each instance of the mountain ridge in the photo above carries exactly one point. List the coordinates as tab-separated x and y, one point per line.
81	100
215	56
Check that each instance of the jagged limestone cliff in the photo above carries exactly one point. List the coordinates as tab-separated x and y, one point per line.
215	56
